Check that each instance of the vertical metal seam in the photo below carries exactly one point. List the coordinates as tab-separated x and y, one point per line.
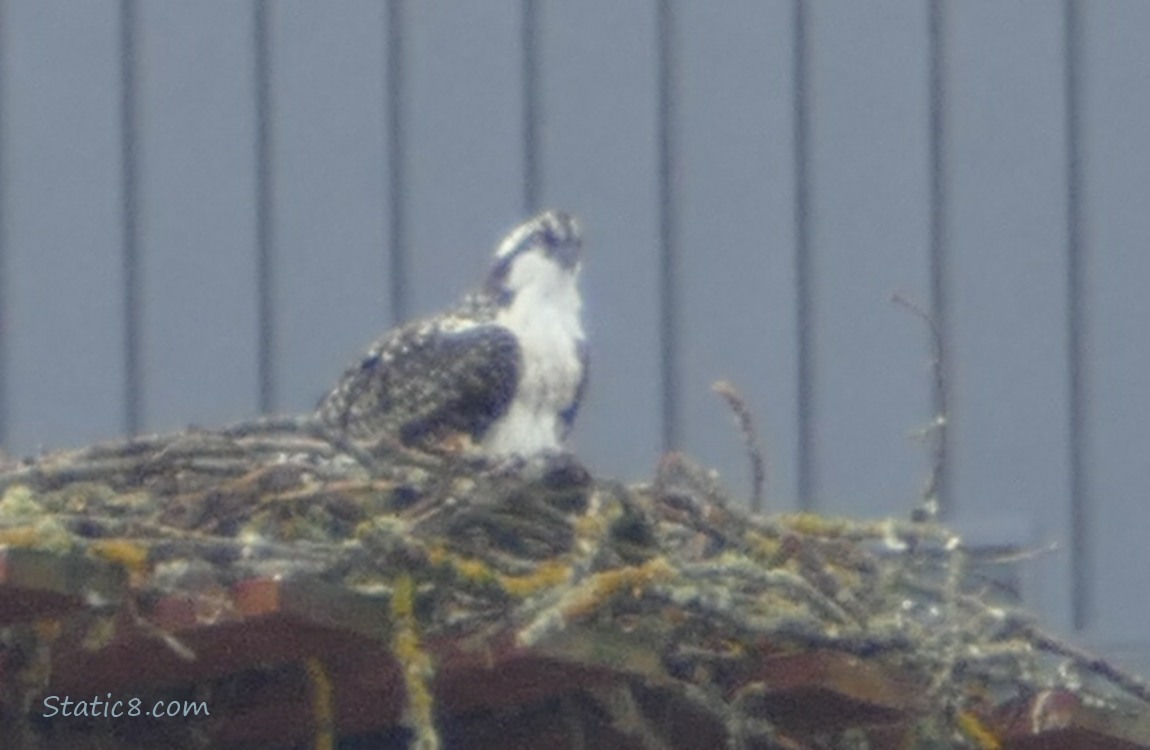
1081	550
668	239
396	138
939	307
5	306
131	258
531	162
265	207
804	289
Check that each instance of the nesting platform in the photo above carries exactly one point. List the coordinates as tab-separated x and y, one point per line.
308	594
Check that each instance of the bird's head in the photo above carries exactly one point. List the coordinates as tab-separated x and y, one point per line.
540	257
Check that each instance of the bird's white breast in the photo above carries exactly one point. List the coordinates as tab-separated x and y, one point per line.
546	324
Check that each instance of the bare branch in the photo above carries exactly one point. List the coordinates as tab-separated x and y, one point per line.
754	446
930	494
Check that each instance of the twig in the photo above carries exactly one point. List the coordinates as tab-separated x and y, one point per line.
930	494
751	440
1128	681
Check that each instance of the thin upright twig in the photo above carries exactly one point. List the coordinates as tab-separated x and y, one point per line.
754	446
930	494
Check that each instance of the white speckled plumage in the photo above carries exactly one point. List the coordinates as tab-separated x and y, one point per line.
507	367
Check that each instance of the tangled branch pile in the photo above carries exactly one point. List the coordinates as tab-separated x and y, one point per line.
667	584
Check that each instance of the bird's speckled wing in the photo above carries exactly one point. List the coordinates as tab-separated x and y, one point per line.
424	382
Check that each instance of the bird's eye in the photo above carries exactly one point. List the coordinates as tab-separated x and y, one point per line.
558	234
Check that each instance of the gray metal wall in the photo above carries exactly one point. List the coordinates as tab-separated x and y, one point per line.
208	208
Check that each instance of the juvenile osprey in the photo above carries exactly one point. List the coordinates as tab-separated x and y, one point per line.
506	368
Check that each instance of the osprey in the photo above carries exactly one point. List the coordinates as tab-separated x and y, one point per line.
504	370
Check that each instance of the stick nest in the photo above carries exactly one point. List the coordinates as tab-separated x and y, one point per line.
668	582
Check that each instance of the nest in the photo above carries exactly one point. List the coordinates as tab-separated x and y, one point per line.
434	601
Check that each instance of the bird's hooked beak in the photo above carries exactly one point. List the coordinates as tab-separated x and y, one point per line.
555	234
561	236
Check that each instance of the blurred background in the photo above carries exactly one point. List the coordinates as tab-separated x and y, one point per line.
208	209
